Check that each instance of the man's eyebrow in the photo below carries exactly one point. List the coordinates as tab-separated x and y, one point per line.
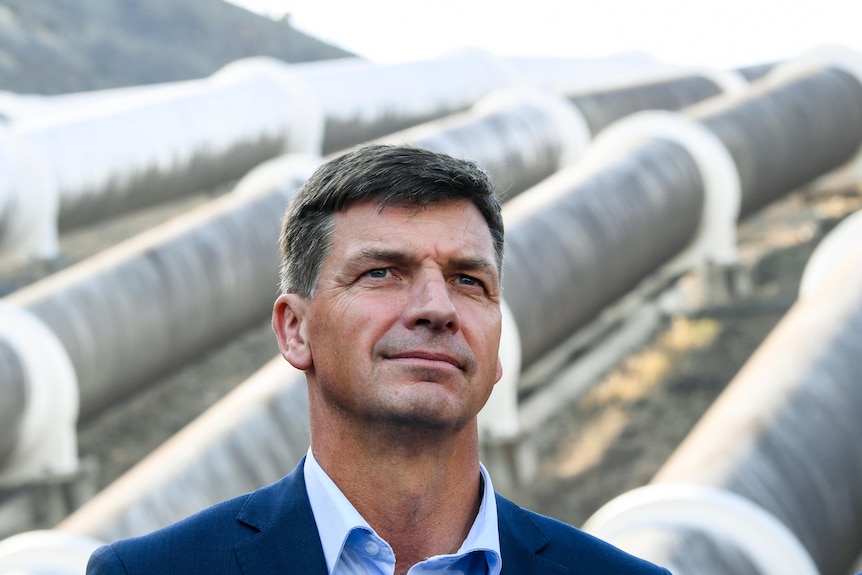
378	255
477	264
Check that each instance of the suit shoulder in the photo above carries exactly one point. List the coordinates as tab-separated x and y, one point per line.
196	544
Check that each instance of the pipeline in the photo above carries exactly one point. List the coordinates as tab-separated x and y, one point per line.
603	108
111	513
659	155
782	441
14	398
250	438
494	114
145	306
159	281
106	156
113	151
522	137
40	401
218	128
596	233
153	145
633	201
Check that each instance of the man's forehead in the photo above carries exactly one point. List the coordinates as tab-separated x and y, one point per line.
451	225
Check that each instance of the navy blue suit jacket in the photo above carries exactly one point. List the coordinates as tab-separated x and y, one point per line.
272	531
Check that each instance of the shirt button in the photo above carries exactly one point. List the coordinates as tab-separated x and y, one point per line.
372	548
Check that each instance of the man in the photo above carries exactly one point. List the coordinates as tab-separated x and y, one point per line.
390	304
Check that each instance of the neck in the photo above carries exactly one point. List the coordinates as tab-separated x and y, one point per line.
420	491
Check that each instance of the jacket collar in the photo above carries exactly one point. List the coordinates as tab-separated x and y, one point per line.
286	538
521	540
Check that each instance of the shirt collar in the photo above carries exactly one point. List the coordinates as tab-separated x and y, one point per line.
336	517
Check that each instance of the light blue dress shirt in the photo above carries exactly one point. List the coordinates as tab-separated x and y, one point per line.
351	546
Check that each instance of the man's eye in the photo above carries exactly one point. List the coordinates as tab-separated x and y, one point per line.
468	280
379	273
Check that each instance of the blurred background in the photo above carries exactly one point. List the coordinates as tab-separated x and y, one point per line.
683	288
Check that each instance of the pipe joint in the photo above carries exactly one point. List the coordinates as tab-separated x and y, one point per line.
720	514
47	443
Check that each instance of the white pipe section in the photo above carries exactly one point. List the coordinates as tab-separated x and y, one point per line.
47	442
362	102
28	203
720	514
266	415
731	82
265	420
498	420
46	553
579	75
715	239
574	131
828	56
108	155
830	253
520	136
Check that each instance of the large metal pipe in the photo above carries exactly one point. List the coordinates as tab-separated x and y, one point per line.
657	177
362	101
253	436
146	146
581	75
163	274
520	137
165	487
106	156
585	237
783	437
145	306
159	142
784	135
602	108
523	137
14	399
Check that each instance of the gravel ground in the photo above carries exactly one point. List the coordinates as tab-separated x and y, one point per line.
612	439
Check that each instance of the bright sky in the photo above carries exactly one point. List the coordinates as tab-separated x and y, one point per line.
709	33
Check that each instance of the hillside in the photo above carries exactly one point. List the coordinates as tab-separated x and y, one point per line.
61	46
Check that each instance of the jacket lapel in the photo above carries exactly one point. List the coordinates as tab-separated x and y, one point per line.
287	540
521	540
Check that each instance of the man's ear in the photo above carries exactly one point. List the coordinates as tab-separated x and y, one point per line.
291	328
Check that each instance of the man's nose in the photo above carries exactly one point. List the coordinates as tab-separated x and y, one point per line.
431	304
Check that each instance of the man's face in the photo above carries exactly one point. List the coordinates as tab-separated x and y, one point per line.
404	324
